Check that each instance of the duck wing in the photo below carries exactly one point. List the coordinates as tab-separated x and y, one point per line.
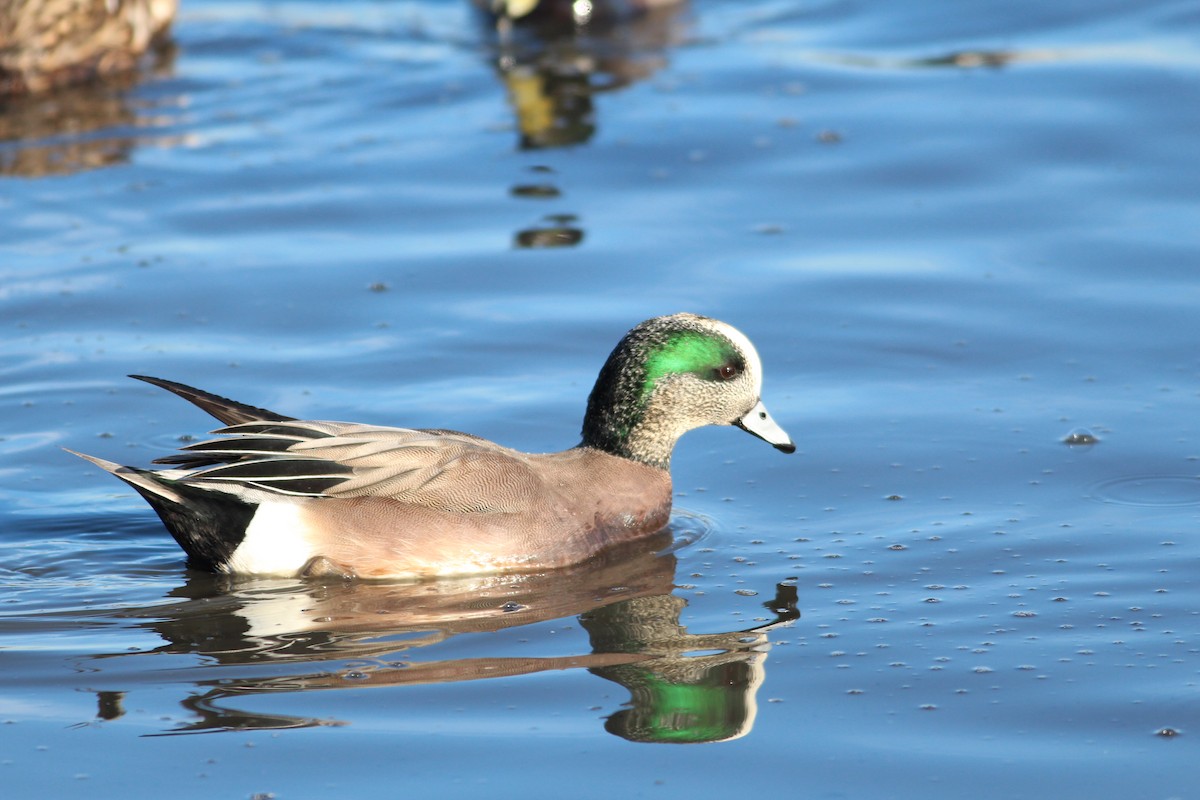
441	469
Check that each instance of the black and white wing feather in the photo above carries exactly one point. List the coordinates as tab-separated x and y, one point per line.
440	469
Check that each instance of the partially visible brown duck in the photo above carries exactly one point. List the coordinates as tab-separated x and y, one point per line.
280	496
50	43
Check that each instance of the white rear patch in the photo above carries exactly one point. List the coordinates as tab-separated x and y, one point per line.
276	542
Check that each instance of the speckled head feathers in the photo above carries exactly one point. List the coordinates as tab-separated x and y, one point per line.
669	375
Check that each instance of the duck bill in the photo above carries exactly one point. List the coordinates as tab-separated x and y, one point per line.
758	422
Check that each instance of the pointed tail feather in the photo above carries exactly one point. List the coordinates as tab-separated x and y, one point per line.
231	412
145	482
207	523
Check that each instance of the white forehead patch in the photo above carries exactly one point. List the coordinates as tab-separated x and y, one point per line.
753	363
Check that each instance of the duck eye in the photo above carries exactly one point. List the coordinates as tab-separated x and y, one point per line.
728	372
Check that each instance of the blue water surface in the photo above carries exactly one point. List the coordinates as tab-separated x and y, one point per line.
957	234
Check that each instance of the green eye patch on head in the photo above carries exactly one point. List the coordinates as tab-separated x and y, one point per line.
690	352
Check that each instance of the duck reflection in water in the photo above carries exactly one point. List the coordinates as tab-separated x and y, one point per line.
554	55
266	636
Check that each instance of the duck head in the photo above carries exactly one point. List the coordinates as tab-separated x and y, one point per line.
669	375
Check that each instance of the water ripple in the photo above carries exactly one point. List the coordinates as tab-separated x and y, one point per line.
1150	490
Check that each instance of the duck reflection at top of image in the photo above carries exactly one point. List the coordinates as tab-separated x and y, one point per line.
273	636
555	55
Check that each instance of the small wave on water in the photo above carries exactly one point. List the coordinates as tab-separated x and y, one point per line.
687	529
1150	490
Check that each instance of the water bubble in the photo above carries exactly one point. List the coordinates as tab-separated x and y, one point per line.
1080	437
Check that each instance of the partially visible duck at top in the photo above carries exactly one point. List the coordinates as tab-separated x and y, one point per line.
45	44
576	12
275	495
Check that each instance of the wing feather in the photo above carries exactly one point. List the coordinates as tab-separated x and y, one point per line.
439	469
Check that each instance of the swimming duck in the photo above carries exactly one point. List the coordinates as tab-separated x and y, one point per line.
274	495
49	43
